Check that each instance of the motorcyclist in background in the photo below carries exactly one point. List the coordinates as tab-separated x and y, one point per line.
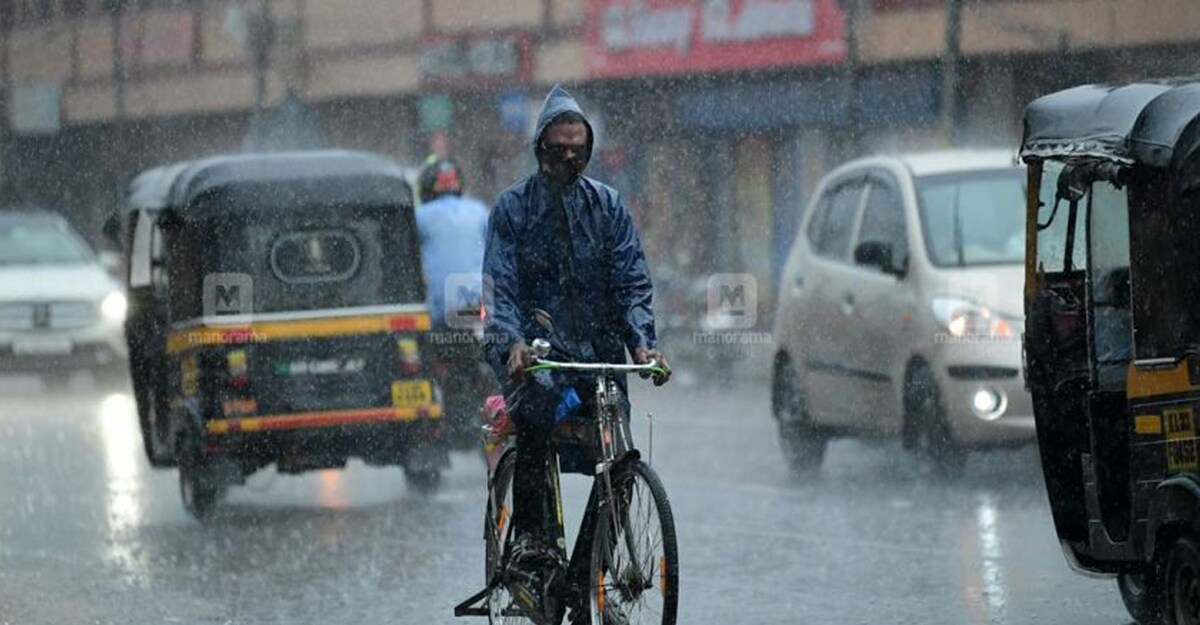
452	228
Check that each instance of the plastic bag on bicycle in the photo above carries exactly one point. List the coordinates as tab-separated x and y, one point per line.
573	435
573	432
498	429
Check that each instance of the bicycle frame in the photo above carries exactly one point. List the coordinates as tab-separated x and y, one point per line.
615	445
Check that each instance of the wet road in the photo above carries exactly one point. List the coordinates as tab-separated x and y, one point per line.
90	534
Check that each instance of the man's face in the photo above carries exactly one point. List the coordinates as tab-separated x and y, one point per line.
564	151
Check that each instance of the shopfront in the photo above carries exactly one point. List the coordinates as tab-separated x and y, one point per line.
717	112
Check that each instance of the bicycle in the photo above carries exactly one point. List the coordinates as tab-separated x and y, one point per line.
626	539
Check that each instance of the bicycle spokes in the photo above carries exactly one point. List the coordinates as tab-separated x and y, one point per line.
631	574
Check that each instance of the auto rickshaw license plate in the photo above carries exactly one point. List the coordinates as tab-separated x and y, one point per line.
412	394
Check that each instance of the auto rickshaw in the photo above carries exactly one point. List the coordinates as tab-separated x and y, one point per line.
277	315
1112	333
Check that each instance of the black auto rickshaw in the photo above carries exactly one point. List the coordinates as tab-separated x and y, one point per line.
277	315
1112	333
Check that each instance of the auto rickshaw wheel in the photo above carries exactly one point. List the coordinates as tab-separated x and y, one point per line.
1181	588
154	433
1141	592
925	429
198	496
198	490
802	443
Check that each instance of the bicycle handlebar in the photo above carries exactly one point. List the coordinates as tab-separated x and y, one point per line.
595	367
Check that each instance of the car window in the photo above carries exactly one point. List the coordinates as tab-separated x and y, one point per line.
834	223
883	220
973	218
41	242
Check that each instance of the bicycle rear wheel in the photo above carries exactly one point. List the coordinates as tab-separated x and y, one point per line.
635	562
497	532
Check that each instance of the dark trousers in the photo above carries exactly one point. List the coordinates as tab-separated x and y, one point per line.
533	412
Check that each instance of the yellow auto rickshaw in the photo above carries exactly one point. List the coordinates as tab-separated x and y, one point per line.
1112	332
277	315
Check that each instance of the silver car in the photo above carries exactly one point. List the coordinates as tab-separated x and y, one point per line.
60	310
900	310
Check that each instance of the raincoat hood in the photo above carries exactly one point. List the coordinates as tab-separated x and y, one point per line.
557	102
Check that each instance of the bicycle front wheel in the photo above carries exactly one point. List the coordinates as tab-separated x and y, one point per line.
635	558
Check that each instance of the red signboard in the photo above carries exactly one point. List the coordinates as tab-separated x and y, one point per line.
638	37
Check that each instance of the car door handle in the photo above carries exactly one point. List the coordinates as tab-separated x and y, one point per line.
798	282
848	303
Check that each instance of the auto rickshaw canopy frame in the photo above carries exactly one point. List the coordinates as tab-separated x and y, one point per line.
1153	123
269	181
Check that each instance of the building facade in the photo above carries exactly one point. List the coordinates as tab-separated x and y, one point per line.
715	118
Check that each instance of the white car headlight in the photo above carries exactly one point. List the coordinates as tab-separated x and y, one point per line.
962	318
114	306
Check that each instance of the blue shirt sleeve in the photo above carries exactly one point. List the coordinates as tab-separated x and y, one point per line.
630	279
500	284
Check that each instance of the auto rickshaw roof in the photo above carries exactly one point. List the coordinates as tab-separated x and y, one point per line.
320	176
1152	122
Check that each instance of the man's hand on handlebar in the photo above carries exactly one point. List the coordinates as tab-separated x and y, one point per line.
520	357
644	355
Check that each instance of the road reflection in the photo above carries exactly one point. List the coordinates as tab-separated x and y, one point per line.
986	587
332	492
117	415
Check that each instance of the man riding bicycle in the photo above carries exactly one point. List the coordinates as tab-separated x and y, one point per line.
566	244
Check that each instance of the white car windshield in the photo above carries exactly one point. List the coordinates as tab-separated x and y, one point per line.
35	242
973	218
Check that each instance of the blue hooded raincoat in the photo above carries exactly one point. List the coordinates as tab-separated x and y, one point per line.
587	270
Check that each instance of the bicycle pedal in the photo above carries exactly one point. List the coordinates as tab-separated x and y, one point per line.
530	604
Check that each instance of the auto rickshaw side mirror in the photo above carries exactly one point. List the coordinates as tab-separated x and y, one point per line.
1075	180
112	230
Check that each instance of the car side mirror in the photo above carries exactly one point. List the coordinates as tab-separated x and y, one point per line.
111	261
877	254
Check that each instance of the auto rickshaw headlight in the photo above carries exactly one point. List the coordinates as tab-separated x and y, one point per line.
114	306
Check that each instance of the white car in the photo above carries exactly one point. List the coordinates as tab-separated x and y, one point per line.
60	310
900	309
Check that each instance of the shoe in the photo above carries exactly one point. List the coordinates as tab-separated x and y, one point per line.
530	565
530	554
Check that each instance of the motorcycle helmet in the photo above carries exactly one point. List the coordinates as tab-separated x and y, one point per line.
440	176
